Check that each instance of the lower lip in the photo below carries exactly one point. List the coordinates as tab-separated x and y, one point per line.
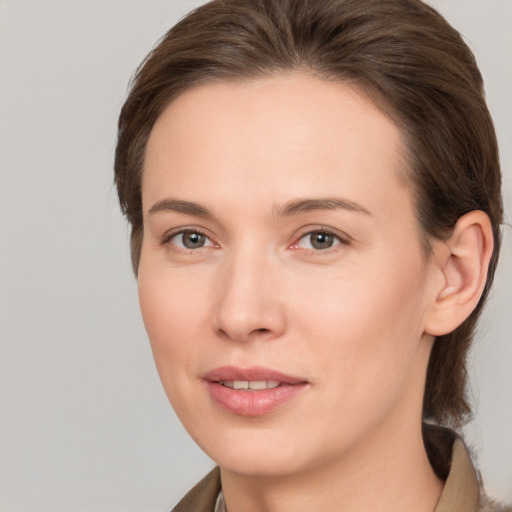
252	403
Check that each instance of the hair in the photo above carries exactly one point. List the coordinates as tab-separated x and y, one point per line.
405	57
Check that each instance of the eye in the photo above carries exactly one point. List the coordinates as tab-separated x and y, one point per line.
318	240
190	240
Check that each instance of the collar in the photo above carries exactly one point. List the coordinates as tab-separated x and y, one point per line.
461	489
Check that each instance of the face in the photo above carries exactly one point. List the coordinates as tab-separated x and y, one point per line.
282	281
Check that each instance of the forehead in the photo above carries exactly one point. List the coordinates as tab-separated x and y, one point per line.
282	136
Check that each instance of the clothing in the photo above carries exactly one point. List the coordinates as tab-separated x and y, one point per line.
448	456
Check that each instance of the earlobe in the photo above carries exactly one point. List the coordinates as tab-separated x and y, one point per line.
462	262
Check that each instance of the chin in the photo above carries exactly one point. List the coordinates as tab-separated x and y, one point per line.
263	463
256	451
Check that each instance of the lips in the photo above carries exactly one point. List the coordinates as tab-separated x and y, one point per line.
252	391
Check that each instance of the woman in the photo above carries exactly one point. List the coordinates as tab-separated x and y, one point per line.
313	188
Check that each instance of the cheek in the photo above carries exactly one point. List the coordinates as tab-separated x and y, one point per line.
366	339
366	322
171	310
362	300
175	313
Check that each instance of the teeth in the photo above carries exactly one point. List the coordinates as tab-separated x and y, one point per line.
250	385
257	384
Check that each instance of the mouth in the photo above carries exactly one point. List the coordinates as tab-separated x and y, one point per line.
252	391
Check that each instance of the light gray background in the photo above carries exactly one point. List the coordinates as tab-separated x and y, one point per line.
84	424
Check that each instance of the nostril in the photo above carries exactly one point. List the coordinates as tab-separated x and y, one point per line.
261	331
254	334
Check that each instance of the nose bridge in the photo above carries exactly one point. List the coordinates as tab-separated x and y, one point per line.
249	304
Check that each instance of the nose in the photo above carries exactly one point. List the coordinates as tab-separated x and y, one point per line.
249	305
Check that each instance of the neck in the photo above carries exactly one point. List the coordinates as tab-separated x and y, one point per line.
388	471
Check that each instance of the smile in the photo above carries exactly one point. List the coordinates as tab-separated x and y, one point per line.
252	391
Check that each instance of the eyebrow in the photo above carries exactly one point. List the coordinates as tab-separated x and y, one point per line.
295	207
299	206
179	206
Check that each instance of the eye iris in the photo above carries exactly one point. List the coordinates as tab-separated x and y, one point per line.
321	240
193	240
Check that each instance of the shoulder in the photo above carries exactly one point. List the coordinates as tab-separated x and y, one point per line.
202	497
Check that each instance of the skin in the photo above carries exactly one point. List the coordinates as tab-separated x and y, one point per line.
352	319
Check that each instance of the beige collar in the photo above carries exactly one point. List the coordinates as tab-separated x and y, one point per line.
461	489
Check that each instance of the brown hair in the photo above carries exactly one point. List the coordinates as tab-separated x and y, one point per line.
404	56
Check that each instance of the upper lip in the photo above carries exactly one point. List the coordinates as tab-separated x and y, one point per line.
254	373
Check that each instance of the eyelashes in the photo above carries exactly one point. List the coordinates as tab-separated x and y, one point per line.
314	240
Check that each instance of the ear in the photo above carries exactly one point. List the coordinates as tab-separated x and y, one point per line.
461	263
